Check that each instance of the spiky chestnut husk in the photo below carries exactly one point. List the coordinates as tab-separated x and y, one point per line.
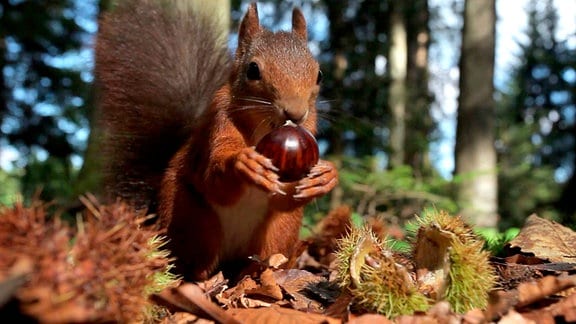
450	257
367	268
103	270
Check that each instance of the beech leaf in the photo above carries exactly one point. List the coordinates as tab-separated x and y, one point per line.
547	240
276	314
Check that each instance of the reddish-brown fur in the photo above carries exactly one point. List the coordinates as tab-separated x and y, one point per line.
220	201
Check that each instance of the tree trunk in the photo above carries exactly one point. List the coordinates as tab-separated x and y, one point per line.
398	56
418	119
475	152
219	10
338	71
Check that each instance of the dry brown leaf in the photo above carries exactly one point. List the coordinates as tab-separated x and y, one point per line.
173	300
561	311
475	316
555	267
276	260
340	308
249	294
294	282
523	259
546	240
510	275
276	314
268	287
214	285
565	308
514	317
184	318
306	261
195	295
233	295
500	302
530	292
421	319
370	319
539	317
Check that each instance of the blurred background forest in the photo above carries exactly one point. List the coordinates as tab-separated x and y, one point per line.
417	110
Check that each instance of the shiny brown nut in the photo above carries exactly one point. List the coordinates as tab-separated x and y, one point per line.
292	149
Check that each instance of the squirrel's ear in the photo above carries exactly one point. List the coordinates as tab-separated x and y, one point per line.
299	24
250	24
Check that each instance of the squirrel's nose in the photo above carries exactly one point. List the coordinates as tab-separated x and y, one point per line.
297	116
294	107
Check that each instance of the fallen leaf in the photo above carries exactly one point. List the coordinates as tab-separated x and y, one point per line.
184	318
297	283
547	240
268	287
232	296
214	285
514	317
341	306
565	308
245	302
276	314
530	292
538	316
174	301
475	316
276	260
195	295
520	258
370	319
421	319
306	261
500	303
510	275
294	280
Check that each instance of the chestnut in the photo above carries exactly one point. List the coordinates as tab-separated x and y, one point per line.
292	149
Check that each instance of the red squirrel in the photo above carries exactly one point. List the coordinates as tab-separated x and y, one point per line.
181	120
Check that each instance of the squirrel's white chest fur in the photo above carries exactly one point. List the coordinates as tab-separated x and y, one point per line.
241	220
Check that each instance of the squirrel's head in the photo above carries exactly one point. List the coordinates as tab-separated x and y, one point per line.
275	77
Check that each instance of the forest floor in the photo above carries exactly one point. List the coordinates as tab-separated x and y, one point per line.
534	278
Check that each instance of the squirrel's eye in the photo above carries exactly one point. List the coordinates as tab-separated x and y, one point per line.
320	77
253	72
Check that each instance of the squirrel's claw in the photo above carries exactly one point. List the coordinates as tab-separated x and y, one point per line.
258	170
322	179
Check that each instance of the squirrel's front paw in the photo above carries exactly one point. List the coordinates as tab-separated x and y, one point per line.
259	170
322	178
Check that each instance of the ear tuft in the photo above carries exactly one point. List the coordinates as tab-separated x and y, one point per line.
299	24
250	25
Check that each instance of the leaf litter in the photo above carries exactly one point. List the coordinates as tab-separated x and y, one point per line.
536	279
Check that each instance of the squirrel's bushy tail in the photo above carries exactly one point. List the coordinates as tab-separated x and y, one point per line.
158	65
